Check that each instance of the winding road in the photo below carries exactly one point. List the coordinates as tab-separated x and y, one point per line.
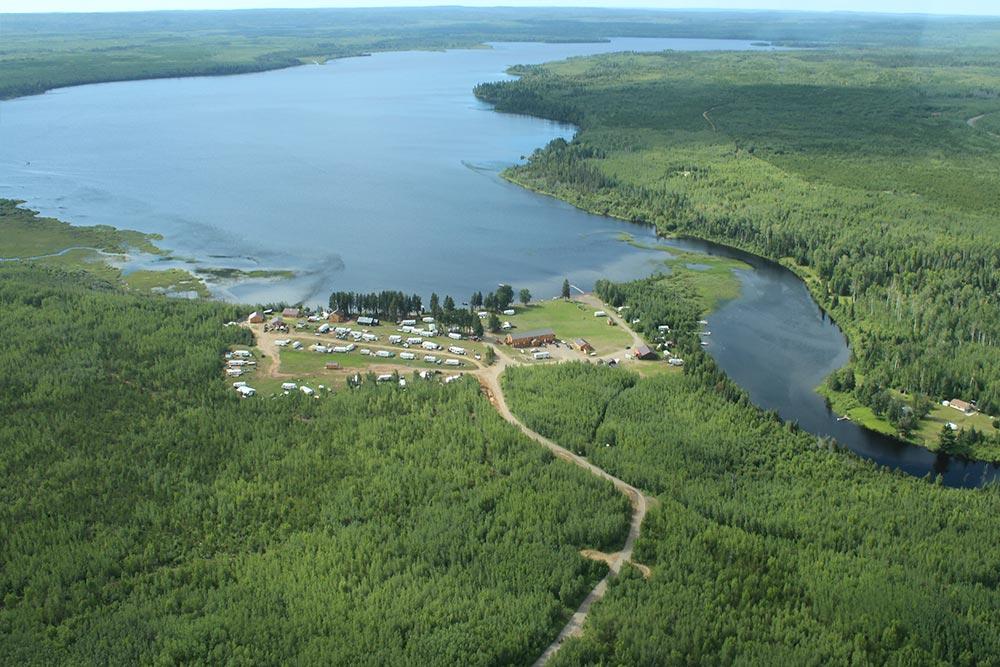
489	379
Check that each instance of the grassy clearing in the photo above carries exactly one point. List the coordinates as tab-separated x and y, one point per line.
167	281
710	278
570	320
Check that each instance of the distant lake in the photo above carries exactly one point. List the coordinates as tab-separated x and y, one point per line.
366	173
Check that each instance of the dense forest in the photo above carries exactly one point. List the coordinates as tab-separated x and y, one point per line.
855	168
149	516
769	545
45	51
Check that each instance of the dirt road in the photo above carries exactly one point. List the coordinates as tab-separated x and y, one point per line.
490	380
597	304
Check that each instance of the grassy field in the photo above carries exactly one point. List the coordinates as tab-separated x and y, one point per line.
570	320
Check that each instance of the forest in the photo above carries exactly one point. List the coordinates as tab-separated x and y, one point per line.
149	516
769	545
45	51
855	168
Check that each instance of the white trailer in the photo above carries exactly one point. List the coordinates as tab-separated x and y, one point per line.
385	354
455	336
454	349
429	345
452	362
409	356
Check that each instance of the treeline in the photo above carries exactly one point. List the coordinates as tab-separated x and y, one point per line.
856	169
394	306
151	517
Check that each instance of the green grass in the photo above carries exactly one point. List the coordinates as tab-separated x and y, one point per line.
570	320
167	281
24	234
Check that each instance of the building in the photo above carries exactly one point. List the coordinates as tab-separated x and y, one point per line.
332	366
290	312
583	346
336	317
255	318
962	406
643	352
531	338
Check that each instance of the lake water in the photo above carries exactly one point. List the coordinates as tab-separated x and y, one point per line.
365	173
382	173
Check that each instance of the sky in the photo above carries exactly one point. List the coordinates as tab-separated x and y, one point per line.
987	7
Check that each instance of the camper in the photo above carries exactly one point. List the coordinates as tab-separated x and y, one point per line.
308	391
676	361
246	391
296	345
430	359
289	386
323	328
237	385
341	331
452	378
509	311
322	349
282	343
483	314
364	351
385	354
395	339
407	328
243	354
452	362
368	321
541	355
234	372
409	356
413	340
369	338
427	320
454	349
600	313
428	345
663	328
407	323
455	336
385	377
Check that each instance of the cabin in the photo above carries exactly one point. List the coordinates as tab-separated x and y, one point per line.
255	318
962	406
531	338
643	352
583	346
291	312
332	366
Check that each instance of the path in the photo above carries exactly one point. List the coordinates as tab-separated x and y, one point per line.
705	116
975	119
490	380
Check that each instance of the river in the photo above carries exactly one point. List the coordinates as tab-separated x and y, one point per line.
383	173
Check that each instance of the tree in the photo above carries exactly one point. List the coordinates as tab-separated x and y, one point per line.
947	440
477	328
524	296
449	304
491	355
477	300
494	323
505	296
565	288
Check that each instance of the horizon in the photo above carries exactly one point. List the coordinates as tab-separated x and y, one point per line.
929	8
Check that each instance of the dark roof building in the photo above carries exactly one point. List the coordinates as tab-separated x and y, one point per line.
643	352
531	338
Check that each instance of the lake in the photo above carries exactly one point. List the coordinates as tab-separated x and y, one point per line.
367	173
383	173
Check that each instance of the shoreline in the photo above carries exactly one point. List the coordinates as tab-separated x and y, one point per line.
812	285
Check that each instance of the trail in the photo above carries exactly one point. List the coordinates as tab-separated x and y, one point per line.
597	304
490	381
705	116
975	119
